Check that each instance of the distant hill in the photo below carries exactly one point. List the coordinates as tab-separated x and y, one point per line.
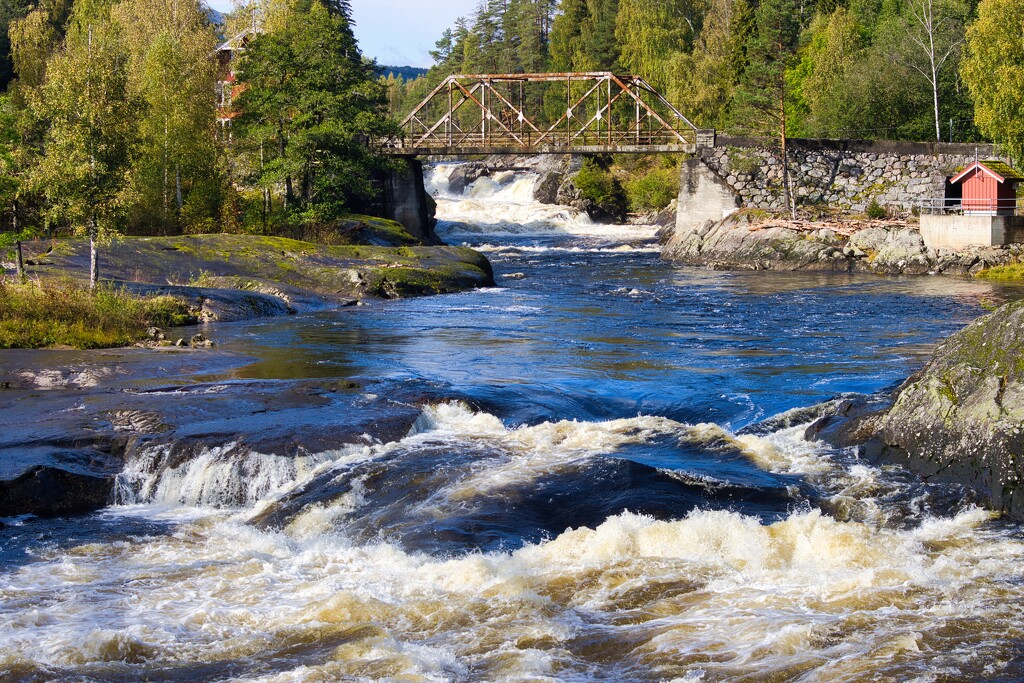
406	73
216	18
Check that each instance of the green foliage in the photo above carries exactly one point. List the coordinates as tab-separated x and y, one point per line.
1012	272
651	32
171	75
653	191
68	314
992	72
759	101
876	211
92	126
596	183
310	106
10	11
742	161
853	69
705	77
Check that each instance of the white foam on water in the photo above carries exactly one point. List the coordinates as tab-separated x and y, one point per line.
769	599
219	476
503	205
808	597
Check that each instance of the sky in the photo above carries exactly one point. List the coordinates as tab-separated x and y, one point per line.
398	32
402	32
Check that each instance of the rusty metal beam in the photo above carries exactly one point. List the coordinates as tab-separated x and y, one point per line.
507	124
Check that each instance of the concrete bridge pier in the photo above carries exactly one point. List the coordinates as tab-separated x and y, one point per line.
406	200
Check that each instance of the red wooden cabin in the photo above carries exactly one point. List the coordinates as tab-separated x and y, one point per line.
989	188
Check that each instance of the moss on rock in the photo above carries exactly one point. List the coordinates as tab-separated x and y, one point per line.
282	266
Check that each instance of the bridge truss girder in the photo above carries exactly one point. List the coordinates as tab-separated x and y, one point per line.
517	113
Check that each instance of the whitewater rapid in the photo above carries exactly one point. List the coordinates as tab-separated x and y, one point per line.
714	595
503	205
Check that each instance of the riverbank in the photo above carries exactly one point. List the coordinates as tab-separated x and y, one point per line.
67	313
221	277
759	240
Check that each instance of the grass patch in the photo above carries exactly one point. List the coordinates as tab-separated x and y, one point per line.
1011	271
67	313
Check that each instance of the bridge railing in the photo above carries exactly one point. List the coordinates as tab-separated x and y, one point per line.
521	112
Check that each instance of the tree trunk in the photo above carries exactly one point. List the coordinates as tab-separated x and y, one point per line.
786	183
19	255
177	188
20	260
935	97
94	256
266	191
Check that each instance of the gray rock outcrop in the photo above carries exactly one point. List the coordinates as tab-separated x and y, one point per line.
740	243
961	418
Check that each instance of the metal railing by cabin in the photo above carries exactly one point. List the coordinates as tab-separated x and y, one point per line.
937	206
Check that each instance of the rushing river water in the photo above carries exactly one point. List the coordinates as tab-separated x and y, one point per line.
607	481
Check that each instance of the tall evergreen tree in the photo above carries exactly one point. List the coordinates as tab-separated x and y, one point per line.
761	98
313	102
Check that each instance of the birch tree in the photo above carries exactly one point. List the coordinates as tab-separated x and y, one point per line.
86	158
935	31
11	183
171	71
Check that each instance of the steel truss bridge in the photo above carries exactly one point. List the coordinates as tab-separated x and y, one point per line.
546	113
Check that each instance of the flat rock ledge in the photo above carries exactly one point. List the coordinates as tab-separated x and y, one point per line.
960	419
745	242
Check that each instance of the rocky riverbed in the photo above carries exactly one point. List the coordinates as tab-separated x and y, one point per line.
751	240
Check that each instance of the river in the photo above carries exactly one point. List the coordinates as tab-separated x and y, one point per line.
607	480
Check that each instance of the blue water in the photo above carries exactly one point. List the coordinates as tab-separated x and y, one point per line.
605	334
501	540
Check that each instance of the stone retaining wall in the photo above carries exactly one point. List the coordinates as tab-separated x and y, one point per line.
842	174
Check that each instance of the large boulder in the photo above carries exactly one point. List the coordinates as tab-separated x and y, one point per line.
961	418
53	491
464	175
736	243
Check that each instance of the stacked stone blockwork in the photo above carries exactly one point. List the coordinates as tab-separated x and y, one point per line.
841	174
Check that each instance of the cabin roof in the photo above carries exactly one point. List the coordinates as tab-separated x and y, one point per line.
1002	171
